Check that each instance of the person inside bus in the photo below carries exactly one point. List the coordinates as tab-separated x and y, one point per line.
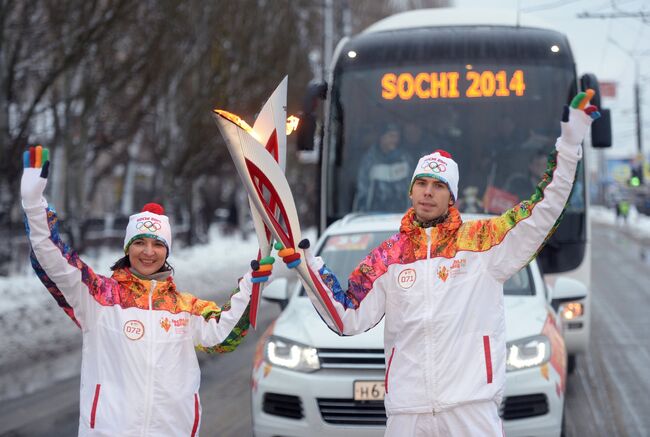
383	171
439	285
139	374
523	185
414	140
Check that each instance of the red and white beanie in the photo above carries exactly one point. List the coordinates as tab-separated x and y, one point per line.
150	222
438	165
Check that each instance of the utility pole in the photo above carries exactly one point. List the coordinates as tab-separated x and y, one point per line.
637	104
328	35
637	95
645	16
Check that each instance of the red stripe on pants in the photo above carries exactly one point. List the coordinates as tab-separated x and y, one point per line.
98	387
390	360
488	358
196	414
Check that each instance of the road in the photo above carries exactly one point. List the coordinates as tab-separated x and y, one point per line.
606	396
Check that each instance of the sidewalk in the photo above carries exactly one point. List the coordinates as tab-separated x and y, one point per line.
637	226
40	345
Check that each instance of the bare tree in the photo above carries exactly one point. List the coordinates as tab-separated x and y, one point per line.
120	89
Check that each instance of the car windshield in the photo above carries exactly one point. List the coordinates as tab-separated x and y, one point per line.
342	254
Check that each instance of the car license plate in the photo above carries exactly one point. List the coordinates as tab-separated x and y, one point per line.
369	390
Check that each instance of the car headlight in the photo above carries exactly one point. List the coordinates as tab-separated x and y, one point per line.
291	355
528	352
571	310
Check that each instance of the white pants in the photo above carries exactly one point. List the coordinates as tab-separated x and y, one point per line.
479	419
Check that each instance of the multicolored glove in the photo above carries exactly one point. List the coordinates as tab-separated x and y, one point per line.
289	254
262	269
36	164
577	118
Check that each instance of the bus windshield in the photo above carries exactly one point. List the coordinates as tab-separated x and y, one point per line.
490	96
387	119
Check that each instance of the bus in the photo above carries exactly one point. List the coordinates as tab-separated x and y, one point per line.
486	86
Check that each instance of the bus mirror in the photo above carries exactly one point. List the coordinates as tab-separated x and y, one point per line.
306	131
589	80
601	130
316	92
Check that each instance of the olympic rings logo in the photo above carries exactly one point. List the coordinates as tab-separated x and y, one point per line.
435	166
148	225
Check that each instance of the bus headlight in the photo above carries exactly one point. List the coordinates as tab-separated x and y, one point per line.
571	310
291	355
528	352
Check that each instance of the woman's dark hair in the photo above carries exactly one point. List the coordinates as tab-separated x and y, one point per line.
124	262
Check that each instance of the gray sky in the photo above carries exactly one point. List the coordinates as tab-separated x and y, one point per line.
598	46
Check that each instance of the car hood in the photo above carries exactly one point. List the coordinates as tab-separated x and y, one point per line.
300	322
525	316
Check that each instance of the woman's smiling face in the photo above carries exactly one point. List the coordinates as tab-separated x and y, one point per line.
147	255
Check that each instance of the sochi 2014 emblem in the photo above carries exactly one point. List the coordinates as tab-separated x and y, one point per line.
149	225
134	330
165	324
435	165
443	273
406	278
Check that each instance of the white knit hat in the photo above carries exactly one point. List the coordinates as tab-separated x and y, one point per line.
150	222
438	165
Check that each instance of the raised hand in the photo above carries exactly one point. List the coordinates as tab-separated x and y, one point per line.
289	254
577	118
262	269
36	167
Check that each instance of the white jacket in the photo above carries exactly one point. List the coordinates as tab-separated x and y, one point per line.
139	374
441	291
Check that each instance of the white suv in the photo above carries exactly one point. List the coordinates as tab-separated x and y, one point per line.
308	381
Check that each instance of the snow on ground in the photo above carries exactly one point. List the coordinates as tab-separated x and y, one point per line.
637	224
40	344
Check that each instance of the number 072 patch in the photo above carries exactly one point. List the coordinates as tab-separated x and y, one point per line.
134	330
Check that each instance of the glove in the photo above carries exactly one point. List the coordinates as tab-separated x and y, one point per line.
36	166
577	118
262	269
289	254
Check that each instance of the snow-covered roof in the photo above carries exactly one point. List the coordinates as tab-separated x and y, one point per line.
440	17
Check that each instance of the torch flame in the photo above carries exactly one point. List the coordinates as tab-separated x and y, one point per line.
292	124
239	122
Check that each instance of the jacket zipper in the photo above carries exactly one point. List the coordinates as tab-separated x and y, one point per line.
429	373
93	411
150	350
390	360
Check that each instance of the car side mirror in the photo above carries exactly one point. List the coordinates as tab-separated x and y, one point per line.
567	290
277	291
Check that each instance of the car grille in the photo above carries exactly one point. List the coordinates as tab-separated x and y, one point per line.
282	405
520	407
350	412
351	358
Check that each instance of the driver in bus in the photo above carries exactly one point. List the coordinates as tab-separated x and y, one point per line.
439	284
383	173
